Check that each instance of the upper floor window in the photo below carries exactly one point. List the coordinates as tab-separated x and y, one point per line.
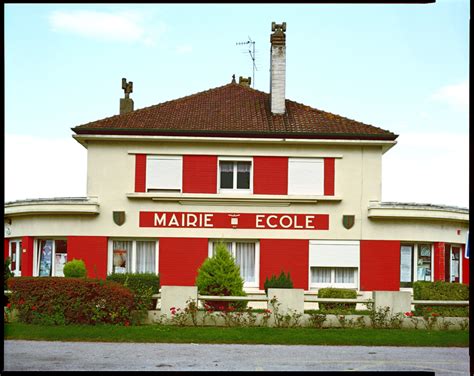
50	257
235	175
164	173
306	176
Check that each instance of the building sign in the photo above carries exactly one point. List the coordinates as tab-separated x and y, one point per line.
235	220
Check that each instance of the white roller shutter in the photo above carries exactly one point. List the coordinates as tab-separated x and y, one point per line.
334	253
306	176
164	172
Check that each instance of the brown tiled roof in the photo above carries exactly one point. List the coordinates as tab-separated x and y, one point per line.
233	110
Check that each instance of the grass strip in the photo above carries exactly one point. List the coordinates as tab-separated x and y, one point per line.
245	335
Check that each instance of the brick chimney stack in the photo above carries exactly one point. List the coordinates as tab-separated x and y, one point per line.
278	68
126	104
245	81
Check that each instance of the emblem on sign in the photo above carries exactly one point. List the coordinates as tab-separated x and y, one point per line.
119	217
348	221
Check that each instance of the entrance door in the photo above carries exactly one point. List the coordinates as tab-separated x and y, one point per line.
15	257
455	269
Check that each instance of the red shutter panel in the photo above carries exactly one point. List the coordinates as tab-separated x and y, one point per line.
199	174
379	265
92	250
140	173
6	244
439	261
270	175
329	176
465	266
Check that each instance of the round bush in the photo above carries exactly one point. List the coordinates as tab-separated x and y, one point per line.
75	269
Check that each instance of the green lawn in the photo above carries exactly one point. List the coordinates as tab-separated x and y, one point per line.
252	335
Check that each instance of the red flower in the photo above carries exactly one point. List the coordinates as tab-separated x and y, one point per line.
33	308
9	305
409	314
268	311
126	323
435	314
428	309
172	309
231	308
21	301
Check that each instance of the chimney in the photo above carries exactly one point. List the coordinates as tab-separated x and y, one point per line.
278	68
245	81
126	104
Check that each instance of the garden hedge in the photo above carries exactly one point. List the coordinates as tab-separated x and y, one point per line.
283	281
54	300
338	293
440	290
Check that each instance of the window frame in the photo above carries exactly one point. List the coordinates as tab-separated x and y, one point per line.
234	189
149	189
332	283
36	259
17	271
257	256
459	247
110	252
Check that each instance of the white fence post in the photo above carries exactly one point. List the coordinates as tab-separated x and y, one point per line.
288	300
397	301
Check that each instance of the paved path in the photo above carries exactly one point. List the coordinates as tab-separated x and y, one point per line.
94	356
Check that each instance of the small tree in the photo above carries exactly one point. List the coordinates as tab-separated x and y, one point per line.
283	281
7	273
219	275
75	269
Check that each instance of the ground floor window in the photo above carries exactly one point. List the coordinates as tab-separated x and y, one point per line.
333	277
133	256
49	257
334	263
246	255
416	263
14	253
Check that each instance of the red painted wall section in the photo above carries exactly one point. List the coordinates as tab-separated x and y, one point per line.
92	250
27	257
439	262
6	244
288	255
329	176
465	266
140	173
379	265
199	174
270	175
180	259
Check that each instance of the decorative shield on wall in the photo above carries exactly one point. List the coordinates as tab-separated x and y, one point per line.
348	221
119	217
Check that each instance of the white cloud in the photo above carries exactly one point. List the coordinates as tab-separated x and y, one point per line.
38	167
120	26
456	95
427	168
184	49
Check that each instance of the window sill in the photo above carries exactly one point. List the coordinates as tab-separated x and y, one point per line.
234	199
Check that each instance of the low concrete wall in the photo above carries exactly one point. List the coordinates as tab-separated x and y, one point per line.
288	300
397	301
177	297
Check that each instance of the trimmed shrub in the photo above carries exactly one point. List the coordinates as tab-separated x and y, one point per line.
283	281
53	300
75	269
339	294
142	285
7	273
219	275
440	290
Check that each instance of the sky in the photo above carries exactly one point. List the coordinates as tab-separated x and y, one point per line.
400	67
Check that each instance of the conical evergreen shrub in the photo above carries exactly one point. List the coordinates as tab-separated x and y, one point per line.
219	275
283	281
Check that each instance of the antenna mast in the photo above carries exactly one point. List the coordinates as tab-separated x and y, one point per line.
252	55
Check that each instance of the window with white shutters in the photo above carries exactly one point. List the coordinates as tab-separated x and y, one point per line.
305	176
164	173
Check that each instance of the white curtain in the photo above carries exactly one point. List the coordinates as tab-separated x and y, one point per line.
227	166
321	275
245	258
146	257
243	166
344	275
127	257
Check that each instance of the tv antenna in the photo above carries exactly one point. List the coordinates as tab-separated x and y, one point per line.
251	51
